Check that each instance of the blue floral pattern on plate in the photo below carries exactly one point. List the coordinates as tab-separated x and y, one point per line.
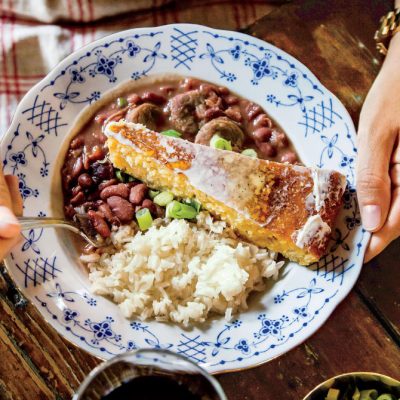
291	309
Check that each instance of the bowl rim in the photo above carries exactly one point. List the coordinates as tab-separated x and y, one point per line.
361	374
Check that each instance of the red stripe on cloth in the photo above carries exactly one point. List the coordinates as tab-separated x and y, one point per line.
91	18
22	77
4	64
13	49
70	9
81	16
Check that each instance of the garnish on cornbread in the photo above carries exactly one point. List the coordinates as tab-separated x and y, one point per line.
287	208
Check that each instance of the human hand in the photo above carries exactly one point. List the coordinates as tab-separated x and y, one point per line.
378	165
10	205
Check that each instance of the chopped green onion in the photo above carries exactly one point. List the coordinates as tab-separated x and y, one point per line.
370	394
175	209
123	177
122	102
386	397
163	198
172	133
333	394
217	142
194	203
118	174
144	219
153	193
356	394
250	153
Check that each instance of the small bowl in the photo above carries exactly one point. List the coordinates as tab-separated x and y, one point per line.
368	377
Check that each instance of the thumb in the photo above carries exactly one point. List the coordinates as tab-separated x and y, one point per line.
373	181
9	226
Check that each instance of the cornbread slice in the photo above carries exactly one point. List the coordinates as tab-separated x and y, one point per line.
287	208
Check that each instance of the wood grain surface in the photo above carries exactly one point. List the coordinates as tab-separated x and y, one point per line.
334	39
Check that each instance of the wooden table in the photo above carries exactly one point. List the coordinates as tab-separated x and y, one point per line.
334	39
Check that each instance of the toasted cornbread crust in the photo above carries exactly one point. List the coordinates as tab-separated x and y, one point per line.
267	203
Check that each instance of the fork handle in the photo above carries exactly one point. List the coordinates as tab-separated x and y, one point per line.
43	222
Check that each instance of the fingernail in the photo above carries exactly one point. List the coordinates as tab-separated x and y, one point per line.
9	225
371	216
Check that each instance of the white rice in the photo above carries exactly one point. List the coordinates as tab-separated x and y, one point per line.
180	271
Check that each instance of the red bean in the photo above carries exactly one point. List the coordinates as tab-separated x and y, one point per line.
99	224
77	152
147	203
106	211
79	198
206	89
120	190
69	211
110	182
102	171
100	118
289	157
234	114
85	180
262	121
75	190
89	205
231	100
153	97
134	99
212	113
76	143
77	168
279	140
96	154
267	149
99	137
167	90
253	110
223	91
121	208
262	134
138	194
213	100
160	211
189	84
94	195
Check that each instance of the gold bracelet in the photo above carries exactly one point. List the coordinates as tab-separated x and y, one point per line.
389	24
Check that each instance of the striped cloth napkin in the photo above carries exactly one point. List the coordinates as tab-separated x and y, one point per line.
36	34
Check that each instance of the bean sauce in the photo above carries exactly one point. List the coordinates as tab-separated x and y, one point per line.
197	109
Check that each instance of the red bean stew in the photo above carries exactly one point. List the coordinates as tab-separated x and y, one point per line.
197	110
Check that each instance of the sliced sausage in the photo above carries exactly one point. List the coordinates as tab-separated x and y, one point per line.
147	114
225	128
184	111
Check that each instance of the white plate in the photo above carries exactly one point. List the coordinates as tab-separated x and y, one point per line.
291	309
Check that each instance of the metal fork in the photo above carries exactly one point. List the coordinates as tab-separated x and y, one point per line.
44	222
